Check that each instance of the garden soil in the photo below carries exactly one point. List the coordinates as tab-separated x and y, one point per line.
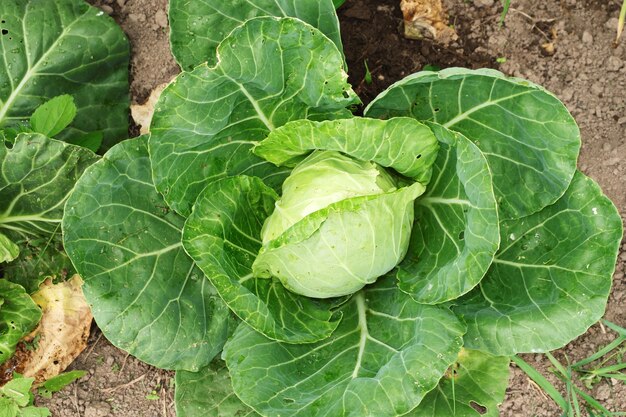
566	46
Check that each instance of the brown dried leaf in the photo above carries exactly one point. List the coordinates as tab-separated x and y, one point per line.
427	19
548	48
142	113
60	337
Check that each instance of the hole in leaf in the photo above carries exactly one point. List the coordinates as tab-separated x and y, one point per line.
418	156
478	407
436	109
5	32
288	401
462	235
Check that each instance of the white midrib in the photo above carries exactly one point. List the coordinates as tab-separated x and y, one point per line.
447	201
255	104
360	305
27	218
32	70
465	114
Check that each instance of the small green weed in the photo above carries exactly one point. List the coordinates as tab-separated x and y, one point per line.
589	371
153	396
430	67
368	75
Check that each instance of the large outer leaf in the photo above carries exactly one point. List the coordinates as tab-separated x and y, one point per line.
222	236
208	393
270	71
146	294
401	143
529	138
477	379
36	177
551	277
64	47
386	354
455	234
18	316
198	26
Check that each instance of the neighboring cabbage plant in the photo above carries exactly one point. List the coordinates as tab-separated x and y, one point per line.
65	75
252	241
38	174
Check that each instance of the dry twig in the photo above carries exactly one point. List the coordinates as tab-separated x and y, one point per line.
126	385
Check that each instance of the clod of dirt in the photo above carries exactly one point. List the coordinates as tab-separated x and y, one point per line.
60	337
427	19
160	17
484	3
98	409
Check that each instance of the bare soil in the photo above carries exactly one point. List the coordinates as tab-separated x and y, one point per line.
584	69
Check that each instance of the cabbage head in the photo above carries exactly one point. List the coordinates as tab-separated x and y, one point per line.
339	225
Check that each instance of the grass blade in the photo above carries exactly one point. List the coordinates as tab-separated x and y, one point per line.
610	325
620	22
505	9
541	381
602	352
592	402
557	365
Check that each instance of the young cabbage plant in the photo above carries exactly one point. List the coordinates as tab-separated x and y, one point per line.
38	174
288	258
64	76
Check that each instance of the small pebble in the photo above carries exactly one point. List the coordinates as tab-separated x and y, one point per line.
567	94
613	64
603	392
484	3
611	23
107	9
161	18
137	17
587	38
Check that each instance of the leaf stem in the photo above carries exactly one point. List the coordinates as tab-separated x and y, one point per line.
360	304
